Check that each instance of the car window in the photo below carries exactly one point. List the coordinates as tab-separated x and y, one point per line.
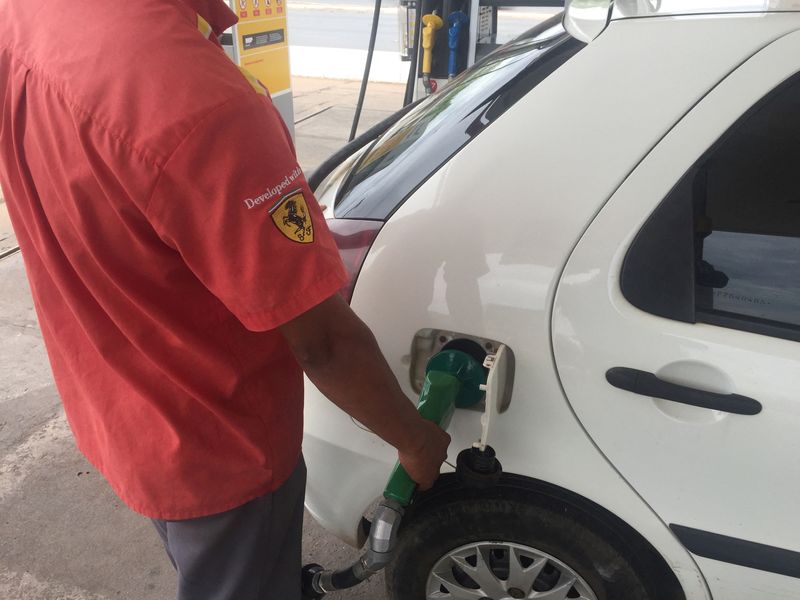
752	275
422	141
724	246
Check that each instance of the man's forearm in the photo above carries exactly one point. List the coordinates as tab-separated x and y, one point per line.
340	355
353	374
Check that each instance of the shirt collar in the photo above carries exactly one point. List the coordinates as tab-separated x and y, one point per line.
216	12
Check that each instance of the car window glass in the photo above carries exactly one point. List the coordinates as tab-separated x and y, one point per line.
748	217
759	276
422	141
724	246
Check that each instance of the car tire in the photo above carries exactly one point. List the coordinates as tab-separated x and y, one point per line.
512	521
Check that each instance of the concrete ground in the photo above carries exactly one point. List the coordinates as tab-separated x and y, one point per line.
65	536
323	112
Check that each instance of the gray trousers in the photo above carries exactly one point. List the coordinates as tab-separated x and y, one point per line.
248	553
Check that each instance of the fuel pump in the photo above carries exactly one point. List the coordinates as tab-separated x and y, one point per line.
444	44
259	44
438	54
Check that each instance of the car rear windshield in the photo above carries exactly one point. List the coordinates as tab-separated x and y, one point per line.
421	142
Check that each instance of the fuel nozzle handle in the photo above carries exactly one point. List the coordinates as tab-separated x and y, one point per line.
432	23
437	403
456	20
453	379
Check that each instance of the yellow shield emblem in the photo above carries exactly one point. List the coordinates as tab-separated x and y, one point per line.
293	219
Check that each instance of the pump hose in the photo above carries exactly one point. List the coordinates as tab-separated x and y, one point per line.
346	578
356	143
346	151
412	70
316	581
370	52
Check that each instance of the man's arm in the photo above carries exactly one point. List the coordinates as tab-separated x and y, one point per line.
340	355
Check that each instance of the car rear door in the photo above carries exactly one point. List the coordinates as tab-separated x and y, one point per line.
676	329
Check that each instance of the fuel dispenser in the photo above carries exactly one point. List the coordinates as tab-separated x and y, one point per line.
259	44
442	38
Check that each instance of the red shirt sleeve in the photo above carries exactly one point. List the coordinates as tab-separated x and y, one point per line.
234	203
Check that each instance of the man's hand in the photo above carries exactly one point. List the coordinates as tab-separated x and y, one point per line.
423	463
340	355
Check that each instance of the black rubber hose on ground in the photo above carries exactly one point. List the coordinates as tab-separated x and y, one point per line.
347	150
370	52
346	579
411	84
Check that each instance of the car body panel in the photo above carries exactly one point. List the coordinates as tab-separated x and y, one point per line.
480	247
726	581
637	9
733	475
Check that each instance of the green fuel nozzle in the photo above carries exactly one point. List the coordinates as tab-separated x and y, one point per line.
454	379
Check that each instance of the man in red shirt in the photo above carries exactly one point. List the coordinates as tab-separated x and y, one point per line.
184	278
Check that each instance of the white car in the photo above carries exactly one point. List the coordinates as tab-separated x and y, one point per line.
616	200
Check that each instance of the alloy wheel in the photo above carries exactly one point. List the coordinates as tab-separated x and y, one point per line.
504	571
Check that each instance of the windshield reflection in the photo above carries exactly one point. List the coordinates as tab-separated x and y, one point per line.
417	145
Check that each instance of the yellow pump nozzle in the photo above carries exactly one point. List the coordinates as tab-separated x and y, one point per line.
433	23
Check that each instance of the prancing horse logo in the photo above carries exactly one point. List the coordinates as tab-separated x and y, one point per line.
292	218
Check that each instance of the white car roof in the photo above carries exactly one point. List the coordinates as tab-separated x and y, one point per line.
586	19
626	9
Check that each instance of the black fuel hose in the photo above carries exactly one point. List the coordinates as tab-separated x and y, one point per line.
316	582
412	70
346	578
379	549
370	52
346	151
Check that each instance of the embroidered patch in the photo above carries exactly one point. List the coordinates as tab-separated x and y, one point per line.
292	217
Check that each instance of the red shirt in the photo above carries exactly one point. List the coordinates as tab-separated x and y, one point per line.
166	231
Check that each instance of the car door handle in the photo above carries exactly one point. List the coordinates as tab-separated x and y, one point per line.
647	384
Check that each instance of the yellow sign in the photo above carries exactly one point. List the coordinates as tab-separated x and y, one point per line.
292	218
260	42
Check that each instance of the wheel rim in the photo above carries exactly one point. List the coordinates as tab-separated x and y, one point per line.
504	571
